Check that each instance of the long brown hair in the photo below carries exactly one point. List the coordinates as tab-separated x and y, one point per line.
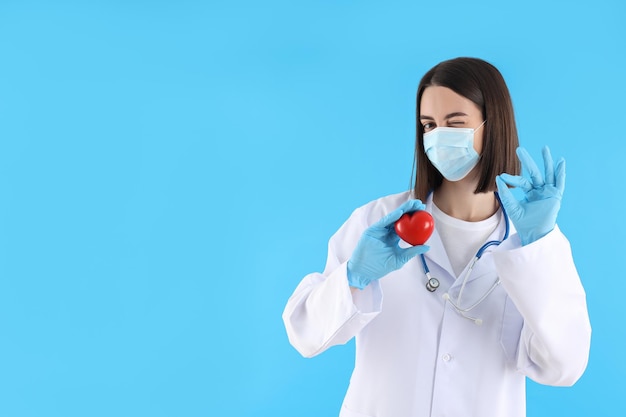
482	83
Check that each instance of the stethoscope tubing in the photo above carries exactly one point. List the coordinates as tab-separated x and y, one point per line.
433	283
484	247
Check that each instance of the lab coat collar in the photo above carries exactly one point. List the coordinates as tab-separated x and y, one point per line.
437	252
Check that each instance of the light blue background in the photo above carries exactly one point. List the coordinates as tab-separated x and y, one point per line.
170	170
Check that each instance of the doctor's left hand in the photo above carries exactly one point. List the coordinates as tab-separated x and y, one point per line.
378	252
535	215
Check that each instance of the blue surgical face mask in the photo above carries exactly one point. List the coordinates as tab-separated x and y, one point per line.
451	151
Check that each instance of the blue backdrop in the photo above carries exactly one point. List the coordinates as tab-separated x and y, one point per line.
170	170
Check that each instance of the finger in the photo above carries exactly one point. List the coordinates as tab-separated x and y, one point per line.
412	205
506	196
548	164
407	207
560	175
516	181
389	218
409	253
528	163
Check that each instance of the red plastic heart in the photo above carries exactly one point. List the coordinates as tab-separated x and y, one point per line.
415	228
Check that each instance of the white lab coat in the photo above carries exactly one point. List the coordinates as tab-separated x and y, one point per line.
416	355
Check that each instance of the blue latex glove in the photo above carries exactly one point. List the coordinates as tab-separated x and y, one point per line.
378	253
535	215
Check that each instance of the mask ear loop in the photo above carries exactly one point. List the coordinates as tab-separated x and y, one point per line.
480	125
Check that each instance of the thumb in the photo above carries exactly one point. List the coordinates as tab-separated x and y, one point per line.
507	198
413	251
406	207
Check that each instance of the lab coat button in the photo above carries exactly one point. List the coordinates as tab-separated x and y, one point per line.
446	357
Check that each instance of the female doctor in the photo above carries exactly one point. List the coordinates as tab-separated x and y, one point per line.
453	327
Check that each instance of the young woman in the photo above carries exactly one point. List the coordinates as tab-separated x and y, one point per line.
453	327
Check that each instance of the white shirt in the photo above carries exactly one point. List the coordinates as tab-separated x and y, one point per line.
462	239
416	356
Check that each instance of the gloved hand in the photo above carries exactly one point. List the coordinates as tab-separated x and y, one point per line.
378	253
535	215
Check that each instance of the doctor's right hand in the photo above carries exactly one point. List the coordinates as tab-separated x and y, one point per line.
378	253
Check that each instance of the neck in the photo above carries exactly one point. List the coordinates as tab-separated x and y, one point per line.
457	199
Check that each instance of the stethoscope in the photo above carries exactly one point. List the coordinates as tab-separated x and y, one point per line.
432	283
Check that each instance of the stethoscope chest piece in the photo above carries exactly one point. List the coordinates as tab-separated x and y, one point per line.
432	284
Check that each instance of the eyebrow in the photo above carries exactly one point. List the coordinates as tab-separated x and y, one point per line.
449	116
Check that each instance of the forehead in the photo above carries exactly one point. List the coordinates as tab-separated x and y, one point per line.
437	101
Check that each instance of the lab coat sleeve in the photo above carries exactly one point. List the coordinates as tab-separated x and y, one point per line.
543	283
323	311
